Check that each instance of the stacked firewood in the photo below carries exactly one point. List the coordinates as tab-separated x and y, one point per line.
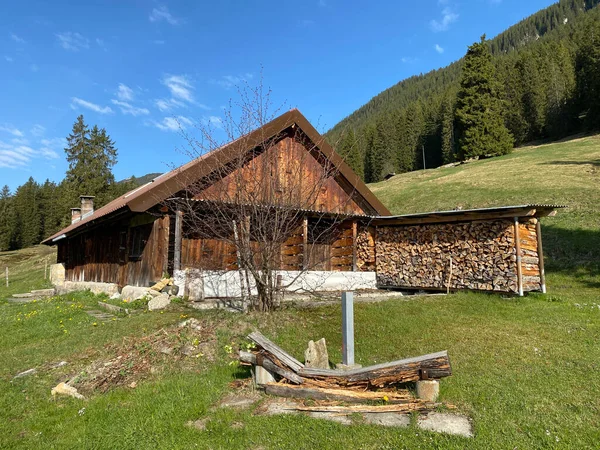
365	249
474	255
379	383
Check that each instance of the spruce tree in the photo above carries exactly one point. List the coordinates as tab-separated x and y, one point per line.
479	108
349	150
447	129
6	219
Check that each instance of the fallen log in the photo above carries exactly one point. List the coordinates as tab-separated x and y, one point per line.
261	360
285	358
431	366
342	395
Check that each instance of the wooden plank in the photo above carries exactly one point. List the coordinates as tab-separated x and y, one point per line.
437	365
292	363
178	229
342	261
342	251
265	362
538	230
342	395
344	242
519	256
305	242
354	235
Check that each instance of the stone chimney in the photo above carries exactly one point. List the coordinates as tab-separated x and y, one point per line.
87	205
75	215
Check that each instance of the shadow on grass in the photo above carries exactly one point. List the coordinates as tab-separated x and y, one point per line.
573	252
595	163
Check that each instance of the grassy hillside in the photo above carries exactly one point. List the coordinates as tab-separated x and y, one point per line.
25	269
566	173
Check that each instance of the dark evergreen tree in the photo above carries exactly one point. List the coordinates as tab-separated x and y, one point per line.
447	130
349	150
480	123
6	219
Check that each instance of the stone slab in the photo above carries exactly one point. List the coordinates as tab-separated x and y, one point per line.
43	292
316	356
159	302
92	286
25	295
333	417
390	419
455	424
131	293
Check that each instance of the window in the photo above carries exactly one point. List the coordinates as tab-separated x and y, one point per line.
138	237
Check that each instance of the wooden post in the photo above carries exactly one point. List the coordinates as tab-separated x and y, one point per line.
354	235
538	232
238	254
348	328
46	268
305	243
518	250
6	276
178	229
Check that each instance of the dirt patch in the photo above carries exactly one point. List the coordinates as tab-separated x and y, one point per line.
186	345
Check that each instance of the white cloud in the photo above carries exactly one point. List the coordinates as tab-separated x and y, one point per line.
8	59
89	105
124	93
408	60
37	130
180	87
34	67
11	129
49	147
17	39
20	141
215	121
19	155
162	13
448	17
439	49
72	41
128	108
229	81
322	3
173	123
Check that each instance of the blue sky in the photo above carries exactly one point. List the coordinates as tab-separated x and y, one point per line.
134	66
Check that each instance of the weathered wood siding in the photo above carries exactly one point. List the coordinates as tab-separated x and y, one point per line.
483	255
288	171
103	254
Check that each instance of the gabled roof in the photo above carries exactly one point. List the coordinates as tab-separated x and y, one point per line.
166	185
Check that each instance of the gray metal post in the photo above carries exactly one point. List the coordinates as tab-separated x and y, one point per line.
348	328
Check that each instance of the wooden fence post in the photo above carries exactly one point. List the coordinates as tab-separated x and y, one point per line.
6	276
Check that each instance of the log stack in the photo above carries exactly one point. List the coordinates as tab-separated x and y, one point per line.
379	383
418	256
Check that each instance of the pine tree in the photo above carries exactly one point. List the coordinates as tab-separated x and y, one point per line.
27	203
349	150
6	219
447	129
91	156
588	77
479	109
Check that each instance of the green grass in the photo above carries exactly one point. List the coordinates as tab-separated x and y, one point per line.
25	269
525	369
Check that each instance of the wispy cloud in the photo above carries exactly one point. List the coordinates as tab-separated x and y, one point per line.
37	130
162	13
173	123
91	106
8	58
439	49
17	39
124	93
180	87
128	108
7	128
213	121
50	147
73	41
408	60
100	43
19	154
230	81
34	67
322	3
448	17
158	42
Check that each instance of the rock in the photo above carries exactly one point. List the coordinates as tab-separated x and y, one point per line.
446	423
316	355
115	296
65	389
130	293
58	364
194	324
159	302
133	385
199	424
25	373
188	350
239	401
262	376
93	286
26	295
43	292
57	273
391	419
428	390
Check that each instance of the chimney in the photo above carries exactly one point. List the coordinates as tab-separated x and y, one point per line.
87	205
75	215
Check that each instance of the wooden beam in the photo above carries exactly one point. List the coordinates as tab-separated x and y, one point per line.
178	235
342	395
540	251
289	361
519	256
261	360
354	235
305	242
465	217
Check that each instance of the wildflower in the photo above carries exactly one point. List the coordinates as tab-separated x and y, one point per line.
386	398
95	324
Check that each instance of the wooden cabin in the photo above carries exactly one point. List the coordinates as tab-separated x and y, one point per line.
339	236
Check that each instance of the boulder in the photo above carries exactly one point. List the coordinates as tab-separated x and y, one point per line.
131	293
65	389
316	355
159	302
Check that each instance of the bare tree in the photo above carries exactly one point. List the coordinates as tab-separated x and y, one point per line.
270	204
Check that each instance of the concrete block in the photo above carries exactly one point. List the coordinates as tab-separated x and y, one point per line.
262	376
94	287
446	423
57	273
390	419
428	390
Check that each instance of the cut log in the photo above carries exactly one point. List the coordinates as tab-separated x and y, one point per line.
433	365
342	395
289	361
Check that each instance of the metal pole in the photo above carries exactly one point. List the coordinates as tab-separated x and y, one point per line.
348	328
423	147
